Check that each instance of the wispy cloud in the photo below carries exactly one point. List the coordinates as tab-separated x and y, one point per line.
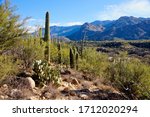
138	8
31	29
66	24
73	23
32	24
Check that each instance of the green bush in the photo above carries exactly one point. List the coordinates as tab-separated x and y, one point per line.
7	66
32	50
130	76
65	54
93	62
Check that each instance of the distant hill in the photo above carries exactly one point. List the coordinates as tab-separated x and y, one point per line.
128	28
64	31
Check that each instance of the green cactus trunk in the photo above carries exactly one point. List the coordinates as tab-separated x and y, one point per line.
59	53
77	57
40	35
47	37
72	64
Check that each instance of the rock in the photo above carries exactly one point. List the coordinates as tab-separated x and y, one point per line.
30	82
71	87
5	86
66	89
83	96
25	74
74	81
2	97
6	97
32	98
72	93
47	95
65	72
15	93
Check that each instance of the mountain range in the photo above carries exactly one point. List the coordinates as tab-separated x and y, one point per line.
128	28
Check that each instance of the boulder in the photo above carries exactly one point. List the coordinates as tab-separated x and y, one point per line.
30	82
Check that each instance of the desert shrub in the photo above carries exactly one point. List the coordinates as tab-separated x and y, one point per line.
93	62
64	53
53	52
31	50
7	66
130	76
44	73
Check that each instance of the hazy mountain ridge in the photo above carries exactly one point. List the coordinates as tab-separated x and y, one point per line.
129	28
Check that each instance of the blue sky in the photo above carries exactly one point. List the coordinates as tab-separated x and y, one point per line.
63	11
70	12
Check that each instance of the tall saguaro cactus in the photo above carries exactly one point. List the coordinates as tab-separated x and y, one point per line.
77	57
74	58
47	37
71	58
59	52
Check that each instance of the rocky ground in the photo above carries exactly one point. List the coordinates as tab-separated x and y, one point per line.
75	86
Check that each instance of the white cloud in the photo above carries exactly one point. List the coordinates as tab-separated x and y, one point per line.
73	23
137	8
66	24
31	29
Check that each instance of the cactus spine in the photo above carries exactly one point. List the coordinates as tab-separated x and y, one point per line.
47	37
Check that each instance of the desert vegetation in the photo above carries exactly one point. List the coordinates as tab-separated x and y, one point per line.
38	67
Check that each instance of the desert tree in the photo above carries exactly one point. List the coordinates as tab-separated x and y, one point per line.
11	27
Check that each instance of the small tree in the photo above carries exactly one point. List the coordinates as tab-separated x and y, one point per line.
11	28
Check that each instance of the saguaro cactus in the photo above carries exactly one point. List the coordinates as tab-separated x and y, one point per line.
74	56
40	35
71	58
77	57
47	37
59	52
